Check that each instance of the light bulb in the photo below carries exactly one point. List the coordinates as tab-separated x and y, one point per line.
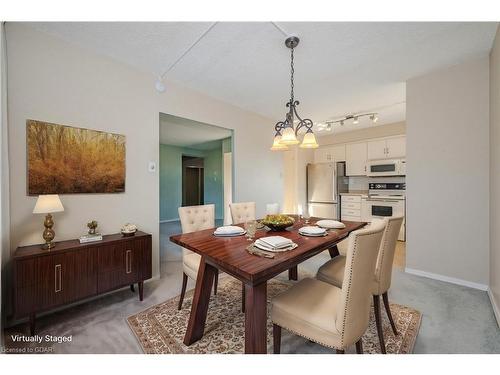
159	85
356	120
288	137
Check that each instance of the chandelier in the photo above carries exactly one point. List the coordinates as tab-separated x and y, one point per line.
286	131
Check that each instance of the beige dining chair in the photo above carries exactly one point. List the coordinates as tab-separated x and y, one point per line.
332	272
194	218
242	212
331	316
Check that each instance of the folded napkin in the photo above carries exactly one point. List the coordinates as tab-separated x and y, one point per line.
276	242
229	229
330	224
312	231
264	246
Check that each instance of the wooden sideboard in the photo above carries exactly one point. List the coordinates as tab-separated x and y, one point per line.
72	271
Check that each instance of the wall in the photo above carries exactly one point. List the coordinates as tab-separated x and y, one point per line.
495	176
170	169
378	131
447	157
295	181
55	81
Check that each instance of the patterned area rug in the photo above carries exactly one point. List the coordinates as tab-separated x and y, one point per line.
160	329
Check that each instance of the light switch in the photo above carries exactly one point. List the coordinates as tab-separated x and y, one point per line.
152	167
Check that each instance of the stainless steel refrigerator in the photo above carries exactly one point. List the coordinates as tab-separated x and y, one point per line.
325	182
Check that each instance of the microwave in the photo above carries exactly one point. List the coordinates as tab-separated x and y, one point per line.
386	167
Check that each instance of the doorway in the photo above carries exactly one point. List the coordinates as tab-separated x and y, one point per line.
192	181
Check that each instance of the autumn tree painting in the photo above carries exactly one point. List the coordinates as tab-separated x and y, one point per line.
68	160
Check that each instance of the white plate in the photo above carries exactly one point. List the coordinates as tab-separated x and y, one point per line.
313	235
312	230
330	224
230	235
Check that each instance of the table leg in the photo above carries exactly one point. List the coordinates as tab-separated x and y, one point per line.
334	251
256	318
141	290
293	273
199	309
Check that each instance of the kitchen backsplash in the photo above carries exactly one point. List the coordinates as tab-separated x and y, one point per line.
358	183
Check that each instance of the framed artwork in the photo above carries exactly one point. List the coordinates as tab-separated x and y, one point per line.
67	160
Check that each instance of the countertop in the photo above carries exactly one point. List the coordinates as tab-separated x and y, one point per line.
356	192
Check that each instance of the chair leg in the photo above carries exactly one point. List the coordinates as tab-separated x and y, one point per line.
340	351
216	281
276	339
242	297
388	311
378	321
359	346
183	290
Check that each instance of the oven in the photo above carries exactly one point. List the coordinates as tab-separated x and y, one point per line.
386	167
379	207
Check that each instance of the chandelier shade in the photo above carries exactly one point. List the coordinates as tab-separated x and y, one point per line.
278	145
309	141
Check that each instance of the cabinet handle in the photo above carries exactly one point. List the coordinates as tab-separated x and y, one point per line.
57	278
128	263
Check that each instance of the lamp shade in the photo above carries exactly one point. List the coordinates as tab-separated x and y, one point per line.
288	137
309	141
47	204
277	145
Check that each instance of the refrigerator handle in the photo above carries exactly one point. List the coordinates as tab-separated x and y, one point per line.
334	183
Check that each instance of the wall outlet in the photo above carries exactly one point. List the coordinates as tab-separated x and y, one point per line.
152	167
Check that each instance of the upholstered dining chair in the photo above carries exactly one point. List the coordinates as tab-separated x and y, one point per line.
323	313
194	218
242	212
332	272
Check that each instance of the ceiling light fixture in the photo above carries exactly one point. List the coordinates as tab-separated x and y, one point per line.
288	130
355	118
159	85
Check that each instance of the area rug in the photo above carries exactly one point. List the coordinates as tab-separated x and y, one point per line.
160	329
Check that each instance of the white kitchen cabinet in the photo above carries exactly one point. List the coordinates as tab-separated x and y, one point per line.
396	147
377	149
355	155
387	148
326	154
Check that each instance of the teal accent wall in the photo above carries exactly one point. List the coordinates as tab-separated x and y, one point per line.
227	145
171	179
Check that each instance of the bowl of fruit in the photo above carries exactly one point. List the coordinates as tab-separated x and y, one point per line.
278	222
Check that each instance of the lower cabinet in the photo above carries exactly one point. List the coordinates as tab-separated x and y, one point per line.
72	271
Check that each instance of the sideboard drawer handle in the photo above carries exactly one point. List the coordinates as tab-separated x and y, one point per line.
128	263
57	278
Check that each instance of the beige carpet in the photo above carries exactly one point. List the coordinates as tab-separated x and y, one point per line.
160	329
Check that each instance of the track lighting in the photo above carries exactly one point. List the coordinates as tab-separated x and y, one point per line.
355	118
374	118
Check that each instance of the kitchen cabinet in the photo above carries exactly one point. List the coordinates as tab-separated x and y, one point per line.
356	156
387	148
326	154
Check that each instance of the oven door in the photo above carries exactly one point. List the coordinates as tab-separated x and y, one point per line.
379	208
383	168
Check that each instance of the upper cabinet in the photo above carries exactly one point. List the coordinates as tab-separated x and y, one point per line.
388	148
328	154
355	155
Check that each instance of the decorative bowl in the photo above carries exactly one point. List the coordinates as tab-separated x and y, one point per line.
278	222
129	234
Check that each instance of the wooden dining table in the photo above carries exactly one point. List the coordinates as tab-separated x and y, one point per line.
229	255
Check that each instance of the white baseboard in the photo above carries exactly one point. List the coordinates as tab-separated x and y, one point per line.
447	279
496	309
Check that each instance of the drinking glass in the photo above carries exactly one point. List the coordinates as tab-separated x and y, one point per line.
251	228
306	217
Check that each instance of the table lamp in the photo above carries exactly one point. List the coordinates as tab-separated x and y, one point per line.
47	204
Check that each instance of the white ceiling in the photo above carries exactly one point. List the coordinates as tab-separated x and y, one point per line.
177	131
340	68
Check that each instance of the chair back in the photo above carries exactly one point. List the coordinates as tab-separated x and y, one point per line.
383	268
241	212
195	218
354	308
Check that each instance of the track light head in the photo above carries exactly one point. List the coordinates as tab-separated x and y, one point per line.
356	120
159	85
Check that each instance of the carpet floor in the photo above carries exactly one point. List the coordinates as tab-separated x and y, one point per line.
160	329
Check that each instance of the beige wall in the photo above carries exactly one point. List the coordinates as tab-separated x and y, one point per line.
448	174
294	172
387	130
495	176
52	80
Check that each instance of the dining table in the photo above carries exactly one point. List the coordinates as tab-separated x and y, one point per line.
230	255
